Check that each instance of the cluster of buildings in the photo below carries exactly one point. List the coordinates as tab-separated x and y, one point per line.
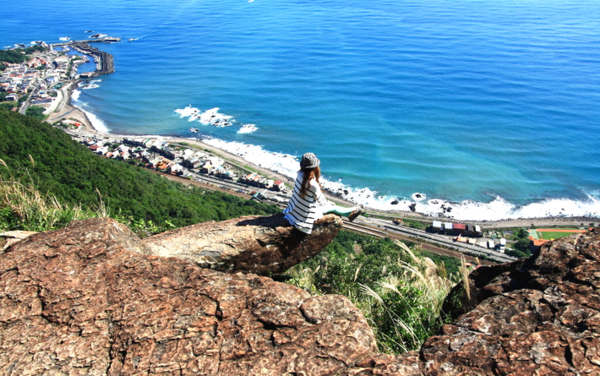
44	71
160	155
466	233
259	181
17	80
450	228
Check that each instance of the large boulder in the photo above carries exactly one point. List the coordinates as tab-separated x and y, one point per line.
253	244
86	300
536	316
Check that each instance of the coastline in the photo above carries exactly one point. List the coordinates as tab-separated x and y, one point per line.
66	109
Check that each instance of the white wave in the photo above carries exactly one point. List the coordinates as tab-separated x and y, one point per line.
247	128
497	209
284	164
208	117
186	112
75	95
97	123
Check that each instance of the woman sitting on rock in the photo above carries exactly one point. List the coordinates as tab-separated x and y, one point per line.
308	203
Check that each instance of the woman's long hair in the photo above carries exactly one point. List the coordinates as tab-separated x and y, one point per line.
309	174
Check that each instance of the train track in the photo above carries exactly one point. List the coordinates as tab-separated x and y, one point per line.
362	229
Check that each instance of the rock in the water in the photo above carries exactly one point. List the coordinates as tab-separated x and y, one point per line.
253	244
85	300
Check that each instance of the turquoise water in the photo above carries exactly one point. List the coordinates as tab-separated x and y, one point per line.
491	107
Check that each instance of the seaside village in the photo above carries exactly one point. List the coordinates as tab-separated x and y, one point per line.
38	80
192	164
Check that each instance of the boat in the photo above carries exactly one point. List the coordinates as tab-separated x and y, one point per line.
89	31
194	130
64	38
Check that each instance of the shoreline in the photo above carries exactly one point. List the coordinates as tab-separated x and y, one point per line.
66	109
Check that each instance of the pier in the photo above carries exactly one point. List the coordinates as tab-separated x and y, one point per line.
104	61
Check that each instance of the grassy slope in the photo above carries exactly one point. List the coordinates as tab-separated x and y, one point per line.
35	152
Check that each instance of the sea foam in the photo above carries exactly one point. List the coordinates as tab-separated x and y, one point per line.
208	117
97	123
497	209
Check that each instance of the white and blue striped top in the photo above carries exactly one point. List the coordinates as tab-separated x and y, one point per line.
302	212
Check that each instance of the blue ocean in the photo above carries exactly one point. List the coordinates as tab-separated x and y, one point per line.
489	107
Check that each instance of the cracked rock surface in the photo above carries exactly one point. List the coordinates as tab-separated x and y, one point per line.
536	316
89	300
251	244
86	300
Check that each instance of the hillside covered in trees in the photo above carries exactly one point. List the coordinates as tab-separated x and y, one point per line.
35	152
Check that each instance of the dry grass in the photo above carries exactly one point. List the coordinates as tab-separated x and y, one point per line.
464	273
23	207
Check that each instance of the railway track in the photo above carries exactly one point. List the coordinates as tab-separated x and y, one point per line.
362	229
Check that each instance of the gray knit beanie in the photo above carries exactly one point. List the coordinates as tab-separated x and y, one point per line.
309	160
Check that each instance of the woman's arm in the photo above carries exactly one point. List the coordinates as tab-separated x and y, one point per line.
320	199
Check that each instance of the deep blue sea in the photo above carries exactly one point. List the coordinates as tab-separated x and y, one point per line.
491	107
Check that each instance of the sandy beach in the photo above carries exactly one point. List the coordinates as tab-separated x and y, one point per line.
65	110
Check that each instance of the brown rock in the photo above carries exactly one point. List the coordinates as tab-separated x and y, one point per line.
536	316
253	244
84	300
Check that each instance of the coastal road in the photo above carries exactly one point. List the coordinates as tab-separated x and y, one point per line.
422	236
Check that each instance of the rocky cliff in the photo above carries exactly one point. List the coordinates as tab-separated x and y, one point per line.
536	316
86	300
89	300
252	244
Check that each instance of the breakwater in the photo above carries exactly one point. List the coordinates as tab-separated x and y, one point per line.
104	61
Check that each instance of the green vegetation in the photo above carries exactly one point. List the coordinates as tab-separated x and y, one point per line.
57	166
18	55
521	247
8	105
399	292
12	56
22	207
36	112
415	224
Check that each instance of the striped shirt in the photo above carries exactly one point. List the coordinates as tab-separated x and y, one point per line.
302	212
